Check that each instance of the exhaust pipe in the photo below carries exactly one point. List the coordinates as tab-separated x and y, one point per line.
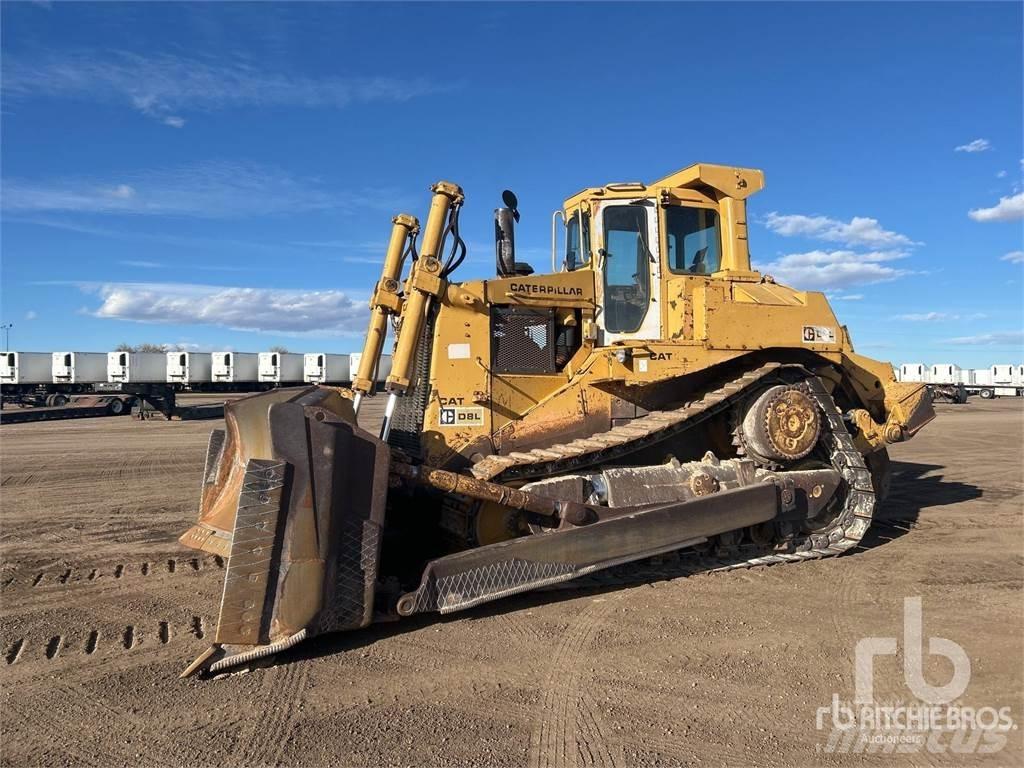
505	234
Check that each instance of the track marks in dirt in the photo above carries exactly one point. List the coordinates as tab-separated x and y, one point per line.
82	644
14	651
73	576
568	730
265	734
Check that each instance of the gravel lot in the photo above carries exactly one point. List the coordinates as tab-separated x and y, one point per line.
101	609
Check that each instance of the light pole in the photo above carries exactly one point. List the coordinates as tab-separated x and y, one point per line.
7	338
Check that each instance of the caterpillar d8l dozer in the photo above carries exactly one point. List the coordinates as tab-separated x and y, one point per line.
654	393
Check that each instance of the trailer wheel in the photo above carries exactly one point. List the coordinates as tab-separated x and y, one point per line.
60	399
116	407
986	394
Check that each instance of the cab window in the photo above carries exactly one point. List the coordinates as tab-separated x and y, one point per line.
575	255
693	240
626	268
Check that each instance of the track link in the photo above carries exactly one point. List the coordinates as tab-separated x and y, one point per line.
846	529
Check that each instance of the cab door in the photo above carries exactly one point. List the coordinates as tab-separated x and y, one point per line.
630	273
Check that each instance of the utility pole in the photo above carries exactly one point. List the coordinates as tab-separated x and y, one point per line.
7	335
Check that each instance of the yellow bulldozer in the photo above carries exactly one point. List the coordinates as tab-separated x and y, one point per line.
652	393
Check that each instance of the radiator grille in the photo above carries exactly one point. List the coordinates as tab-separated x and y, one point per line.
522	340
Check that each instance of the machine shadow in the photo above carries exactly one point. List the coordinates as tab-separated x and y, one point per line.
914	487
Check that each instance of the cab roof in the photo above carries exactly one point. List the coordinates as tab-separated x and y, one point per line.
709	181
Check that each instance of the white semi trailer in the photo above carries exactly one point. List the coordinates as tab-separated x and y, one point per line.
280	368
944	381
26	368
997	381
192	370
235	370
137	367
78	370
27	378
324	368
916	372
383	368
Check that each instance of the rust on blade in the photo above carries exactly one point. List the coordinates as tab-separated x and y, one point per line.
246	436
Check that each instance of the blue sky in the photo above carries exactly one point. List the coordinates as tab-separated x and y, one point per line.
223	175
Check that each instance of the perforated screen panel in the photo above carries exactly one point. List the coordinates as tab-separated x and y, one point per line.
522	340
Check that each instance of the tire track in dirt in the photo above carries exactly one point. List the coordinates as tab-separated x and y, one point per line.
265	733
566	730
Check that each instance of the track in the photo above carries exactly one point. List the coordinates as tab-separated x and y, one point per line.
847	528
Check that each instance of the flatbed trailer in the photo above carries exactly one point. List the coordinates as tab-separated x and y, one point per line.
162	399
988	391
78	407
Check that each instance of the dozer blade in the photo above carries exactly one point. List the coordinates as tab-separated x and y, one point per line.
294	495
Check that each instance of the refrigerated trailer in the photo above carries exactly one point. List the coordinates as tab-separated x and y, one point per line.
280	368
26	368
997	381
913	372
137	367
27	378
189	370
235	370
79	370
323	368
944	381
383	367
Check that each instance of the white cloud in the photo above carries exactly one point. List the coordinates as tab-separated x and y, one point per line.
1007	209
1001	175
924	317
937	317
205	190
858	231
1014	257
849	297
998	338
31	315
163	86
825	270
141	264
122	192
276	310
978	145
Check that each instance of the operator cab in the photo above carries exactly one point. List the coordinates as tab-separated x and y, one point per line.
640	236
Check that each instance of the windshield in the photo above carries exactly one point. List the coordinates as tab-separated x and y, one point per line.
693	241
575	256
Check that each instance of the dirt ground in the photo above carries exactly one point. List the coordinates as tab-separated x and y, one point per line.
101	609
